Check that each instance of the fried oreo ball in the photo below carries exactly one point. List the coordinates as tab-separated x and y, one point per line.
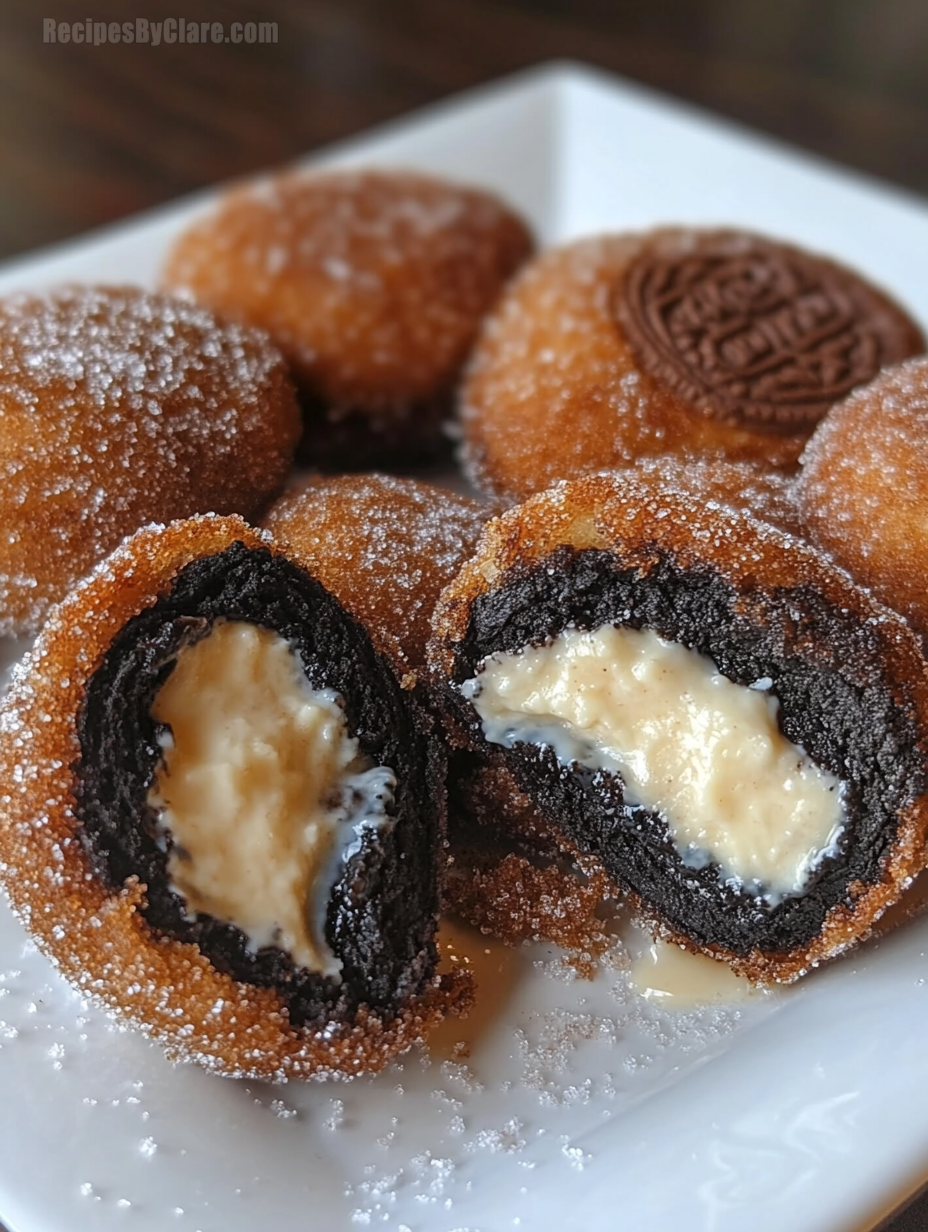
201	685
385	546
863	488
700	343
497	836
119	408
372	283
704	706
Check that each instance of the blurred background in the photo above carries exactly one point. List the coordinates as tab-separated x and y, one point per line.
90	134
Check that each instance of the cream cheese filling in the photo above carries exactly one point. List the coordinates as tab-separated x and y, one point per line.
690	744
262	788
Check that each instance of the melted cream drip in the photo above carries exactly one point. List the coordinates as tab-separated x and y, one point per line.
705	753
262	789
675	978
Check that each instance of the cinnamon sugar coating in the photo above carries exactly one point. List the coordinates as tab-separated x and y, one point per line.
118	408
851	685
98	934
677	341
373	284
863	488
516	900
768	495
385	546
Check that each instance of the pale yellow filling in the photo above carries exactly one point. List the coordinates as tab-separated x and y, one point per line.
705	753
258	778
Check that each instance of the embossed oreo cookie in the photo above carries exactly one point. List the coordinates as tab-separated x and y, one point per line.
755	332
701	344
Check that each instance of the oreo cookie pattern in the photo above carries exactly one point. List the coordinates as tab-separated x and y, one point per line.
753	332
706	345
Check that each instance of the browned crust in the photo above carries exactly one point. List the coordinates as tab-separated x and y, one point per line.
517	900
614	513
384	546
372	282
767	495
169	412
863	488
99	940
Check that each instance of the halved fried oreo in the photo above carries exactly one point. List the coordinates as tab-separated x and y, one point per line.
734	731
221	816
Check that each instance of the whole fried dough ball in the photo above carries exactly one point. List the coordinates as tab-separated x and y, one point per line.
386	547
699	343
373	283
863	489
119	408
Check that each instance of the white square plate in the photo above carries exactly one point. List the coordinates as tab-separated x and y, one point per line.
580	1105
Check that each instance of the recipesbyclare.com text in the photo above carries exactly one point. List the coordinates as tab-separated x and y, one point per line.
157	33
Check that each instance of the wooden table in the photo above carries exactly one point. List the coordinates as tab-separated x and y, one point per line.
89	134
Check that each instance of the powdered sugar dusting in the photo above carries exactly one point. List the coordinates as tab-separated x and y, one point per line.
766	494
168	990
864	487
549	1065
373	283
554	391
385	546
120	408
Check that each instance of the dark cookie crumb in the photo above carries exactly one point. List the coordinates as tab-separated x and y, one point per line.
381	916
825	664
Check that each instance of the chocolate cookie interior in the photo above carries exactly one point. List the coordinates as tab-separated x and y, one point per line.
369	886
820	669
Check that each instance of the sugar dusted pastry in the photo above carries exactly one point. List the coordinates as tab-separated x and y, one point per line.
385	546
200	686
705	707
863	489
119	408
699	343
372	282
768	495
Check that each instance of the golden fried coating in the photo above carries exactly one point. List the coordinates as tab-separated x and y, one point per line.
373	284
767	495
846	675
119	408
699	343
863	488
98	936
516	900
384	546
